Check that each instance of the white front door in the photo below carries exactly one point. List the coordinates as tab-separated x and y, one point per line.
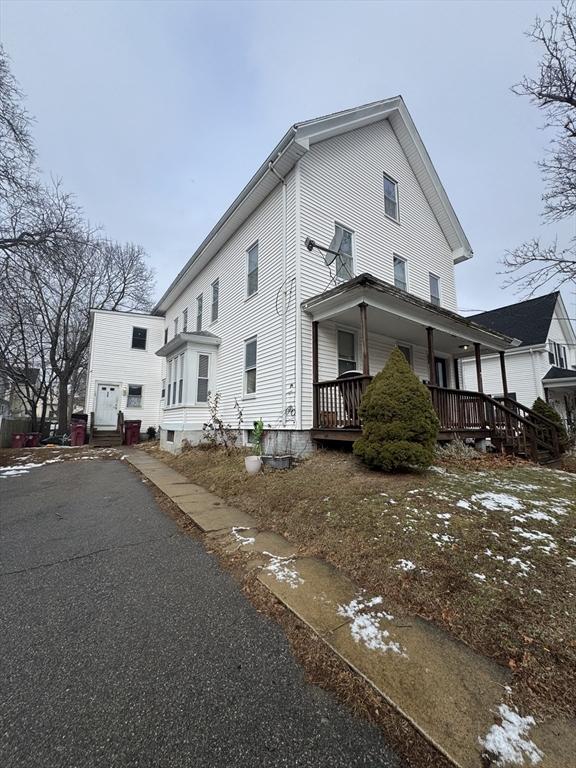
107	397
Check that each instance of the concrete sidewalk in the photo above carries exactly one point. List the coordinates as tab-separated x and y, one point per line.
452	695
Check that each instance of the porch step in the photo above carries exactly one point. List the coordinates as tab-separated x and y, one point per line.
106	438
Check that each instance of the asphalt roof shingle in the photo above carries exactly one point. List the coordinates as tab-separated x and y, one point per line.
527	320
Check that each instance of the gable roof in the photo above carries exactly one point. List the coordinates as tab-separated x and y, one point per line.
527	320
560	373
294	144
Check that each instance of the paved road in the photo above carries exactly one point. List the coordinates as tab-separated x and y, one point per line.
124	644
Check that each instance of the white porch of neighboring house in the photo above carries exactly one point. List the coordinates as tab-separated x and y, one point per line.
560	390
356	325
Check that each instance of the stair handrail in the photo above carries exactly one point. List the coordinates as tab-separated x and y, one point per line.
538	418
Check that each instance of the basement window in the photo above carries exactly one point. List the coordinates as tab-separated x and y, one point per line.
170	436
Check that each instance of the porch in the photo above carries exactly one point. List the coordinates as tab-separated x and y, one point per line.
366	318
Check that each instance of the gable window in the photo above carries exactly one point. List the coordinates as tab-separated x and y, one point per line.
400	280
202	383
175	326
346	352
215	298
250	356
134	396
434	290
390	198
559	355
139	338
252	286
185	320
342	242
199	302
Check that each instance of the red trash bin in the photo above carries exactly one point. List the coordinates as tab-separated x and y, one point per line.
18	440
77	432
32	439
132	431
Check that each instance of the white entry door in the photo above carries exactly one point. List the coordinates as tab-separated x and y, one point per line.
107	398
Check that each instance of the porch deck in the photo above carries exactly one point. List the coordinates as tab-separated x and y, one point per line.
462	413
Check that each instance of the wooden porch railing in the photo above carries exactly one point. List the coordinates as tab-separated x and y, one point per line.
511	425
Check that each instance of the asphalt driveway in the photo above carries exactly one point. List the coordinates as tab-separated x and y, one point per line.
123	642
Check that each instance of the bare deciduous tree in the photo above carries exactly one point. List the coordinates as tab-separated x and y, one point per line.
553	90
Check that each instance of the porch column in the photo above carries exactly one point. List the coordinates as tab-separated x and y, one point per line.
431	363
364	330
503	372
478	366
315	372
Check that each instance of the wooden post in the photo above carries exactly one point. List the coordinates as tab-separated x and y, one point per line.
478	366
364	330
503	372
315	373
431	361
456	373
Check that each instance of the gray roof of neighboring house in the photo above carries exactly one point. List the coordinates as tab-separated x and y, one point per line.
560	373
527	320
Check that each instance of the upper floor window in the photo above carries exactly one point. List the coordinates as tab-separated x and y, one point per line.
400	279
134	396
139	338
185	320
434	289
391	198
165	335
346	352
407	352
199	303
250	357
342	242
558	356
175	326
215	298
252	286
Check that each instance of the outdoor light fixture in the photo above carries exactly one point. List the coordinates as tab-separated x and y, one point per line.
464	347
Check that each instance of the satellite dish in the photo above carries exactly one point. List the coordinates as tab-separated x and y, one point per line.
329	258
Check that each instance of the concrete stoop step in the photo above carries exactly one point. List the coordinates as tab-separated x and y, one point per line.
452	695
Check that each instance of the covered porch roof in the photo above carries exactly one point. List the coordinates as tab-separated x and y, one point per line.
560	378
404	317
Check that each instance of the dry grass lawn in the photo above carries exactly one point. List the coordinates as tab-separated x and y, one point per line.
486	549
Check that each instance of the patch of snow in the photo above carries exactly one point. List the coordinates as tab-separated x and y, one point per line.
444	516
497	501
488	552
463	504
508	743
535	516
548	542
280	567
365	626
571	562
439	470
442	538
242	539
479	576
525	567
405	565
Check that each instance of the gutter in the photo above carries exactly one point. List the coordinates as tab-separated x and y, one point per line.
260	174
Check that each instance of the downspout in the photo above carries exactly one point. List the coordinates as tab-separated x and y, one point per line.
282	180
297	310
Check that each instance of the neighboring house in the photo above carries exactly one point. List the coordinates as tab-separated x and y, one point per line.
124	372
544	365
260	315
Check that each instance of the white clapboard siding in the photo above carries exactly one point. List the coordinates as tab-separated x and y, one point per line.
241	318
113	361
524	371
341	181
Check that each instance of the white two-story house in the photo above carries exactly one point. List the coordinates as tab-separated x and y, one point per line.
544	365
341	246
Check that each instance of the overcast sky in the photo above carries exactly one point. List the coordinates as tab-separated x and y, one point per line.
156	114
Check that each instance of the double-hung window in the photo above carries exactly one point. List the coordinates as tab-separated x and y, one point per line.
139	338
559	355
180	361
400	280
134	396
169	382
250	358
199	303
252	285
407	352
434	289
215	298
342	243
202	381
185	320
175	326
346	352
391	198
